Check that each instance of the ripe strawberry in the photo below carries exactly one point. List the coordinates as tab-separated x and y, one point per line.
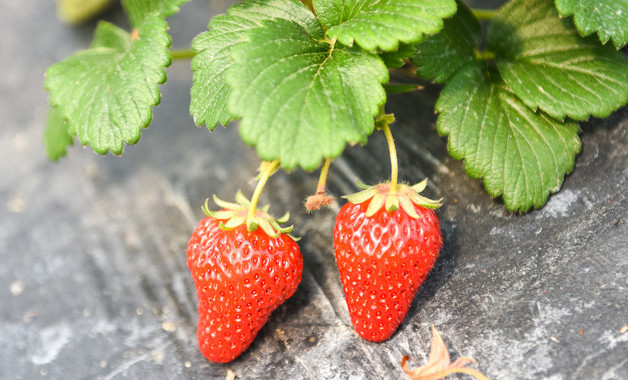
385	242
241	277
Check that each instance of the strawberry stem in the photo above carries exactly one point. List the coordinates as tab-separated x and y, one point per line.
484	14
394	165
182	53
322	180
267	168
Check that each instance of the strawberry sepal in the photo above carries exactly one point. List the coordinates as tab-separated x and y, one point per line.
401	196
233	215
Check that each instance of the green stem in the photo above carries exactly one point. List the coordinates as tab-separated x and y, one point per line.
394	166
485	55
322	180
394	88
409	71
267	169
182	53
484	14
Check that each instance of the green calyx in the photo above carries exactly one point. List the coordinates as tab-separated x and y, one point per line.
393	197
236	214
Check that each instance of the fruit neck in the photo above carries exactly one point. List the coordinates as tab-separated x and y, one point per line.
267	169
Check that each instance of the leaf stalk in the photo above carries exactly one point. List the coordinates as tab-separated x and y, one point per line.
484	14
182	53
485	55
393	88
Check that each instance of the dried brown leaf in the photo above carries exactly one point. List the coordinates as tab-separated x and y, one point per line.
439	363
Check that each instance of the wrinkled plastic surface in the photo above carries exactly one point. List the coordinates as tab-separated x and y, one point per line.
94	284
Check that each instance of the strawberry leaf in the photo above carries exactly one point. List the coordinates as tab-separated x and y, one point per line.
609	18
521	154
56	135
106	92
139	10
301	99
209	93
549	66
441	55
382	24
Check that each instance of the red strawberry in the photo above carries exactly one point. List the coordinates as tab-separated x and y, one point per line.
241	277
384	256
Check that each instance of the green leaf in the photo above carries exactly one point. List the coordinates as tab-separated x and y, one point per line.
109	36
442	55
302	99
522	155
139	10
549	66
209	92
609	18
382	24
56	135
106	92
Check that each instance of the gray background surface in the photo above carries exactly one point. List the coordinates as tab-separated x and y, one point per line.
93	279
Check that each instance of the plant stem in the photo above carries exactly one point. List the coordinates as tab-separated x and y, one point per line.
485	55
308	3
484	14
267	169
394	166
393	88
408	71
182	53
322	180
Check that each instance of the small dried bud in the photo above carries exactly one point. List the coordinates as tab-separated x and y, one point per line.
316	201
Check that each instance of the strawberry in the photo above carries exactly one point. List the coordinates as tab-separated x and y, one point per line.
242	274
386	241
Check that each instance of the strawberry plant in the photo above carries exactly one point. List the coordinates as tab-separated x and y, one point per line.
306	78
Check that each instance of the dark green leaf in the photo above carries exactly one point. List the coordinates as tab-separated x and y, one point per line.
522	155
440	56
209	92
382	24
549	66
302	99
609	18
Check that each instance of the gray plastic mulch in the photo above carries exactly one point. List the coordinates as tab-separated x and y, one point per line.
94	284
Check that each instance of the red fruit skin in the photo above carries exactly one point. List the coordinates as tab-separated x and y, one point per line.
382	260
241	277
